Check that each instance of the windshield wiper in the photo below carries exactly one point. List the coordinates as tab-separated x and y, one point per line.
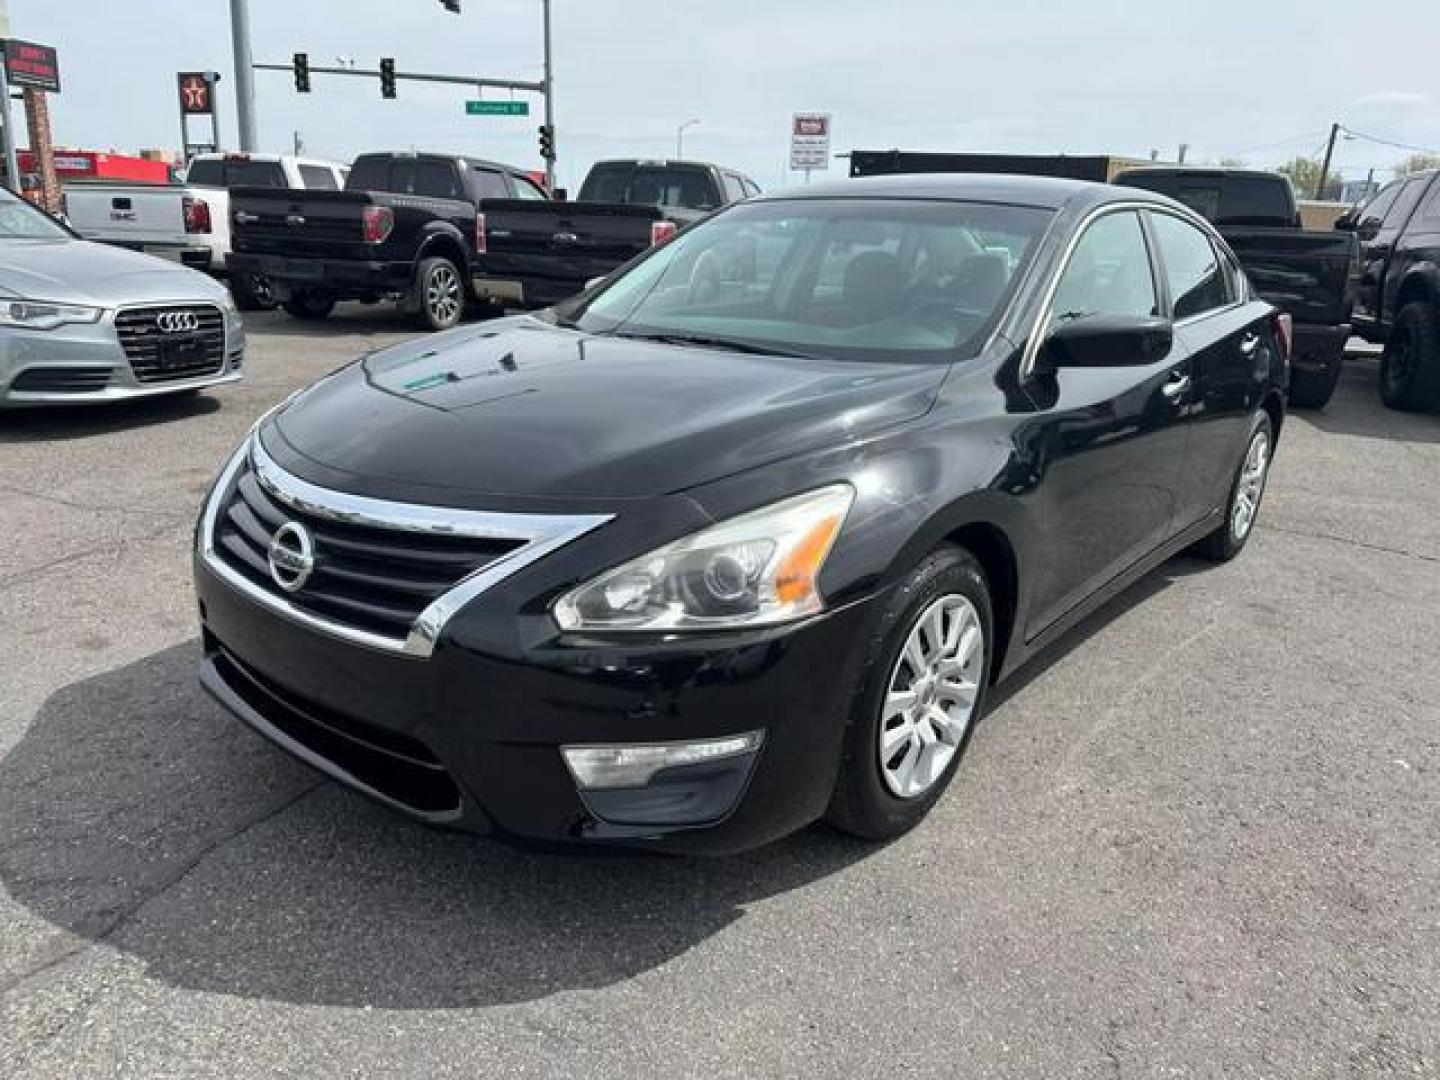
707	342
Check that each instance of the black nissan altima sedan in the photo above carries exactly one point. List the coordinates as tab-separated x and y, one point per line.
743	536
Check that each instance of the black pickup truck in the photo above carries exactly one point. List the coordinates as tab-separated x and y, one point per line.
1308	274
1397	302
406	227
539	254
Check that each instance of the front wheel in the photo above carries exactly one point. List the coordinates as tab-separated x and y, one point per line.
441	294
1410	365
923	691
1246	491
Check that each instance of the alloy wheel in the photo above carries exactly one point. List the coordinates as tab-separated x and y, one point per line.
442	294
931	696
1250	486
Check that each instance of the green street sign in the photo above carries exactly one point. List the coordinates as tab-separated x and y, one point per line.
497	108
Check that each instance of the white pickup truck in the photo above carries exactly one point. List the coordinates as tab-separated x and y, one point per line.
189	222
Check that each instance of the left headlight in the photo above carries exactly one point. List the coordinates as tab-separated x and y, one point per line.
754	570
43	315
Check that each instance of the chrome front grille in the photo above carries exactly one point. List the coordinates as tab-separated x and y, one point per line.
158	352
380	574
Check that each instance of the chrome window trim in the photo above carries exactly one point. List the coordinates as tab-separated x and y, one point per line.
540	534
1032	346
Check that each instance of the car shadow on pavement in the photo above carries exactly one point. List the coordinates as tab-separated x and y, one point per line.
136	814
53	423
1357	410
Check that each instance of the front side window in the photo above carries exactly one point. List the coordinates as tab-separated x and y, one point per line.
1376	209
1108	273
1192	267
844	278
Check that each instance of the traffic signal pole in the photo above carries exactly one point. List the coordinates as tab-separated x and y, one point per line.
549	103
414	76
244	76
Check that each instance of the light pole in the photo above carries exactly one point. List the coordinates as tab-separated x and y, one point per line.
680	137
244	76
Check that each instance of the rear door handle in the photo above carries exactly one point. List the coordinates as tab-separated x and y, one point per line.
1179	383
1249	343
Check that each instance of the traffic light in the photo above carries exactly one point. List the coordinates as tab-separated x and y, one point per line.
302	73
452	6
387	76
547	142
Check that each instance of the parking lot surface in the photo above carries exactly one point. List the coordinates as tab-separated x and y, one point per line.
1199	839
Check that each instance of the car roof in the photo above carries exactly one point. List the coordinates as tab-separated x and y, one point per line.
1045	192
1201	171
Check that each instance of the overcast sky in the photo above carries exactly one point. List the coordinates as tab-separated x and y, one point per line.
1258	79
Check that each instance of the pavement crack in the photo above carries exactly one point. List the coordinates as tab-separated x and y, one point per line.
29	573
128	914
100	508
1353	543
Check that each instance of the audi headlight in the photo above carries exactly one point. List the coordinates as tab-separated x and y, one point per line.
43	315
753	570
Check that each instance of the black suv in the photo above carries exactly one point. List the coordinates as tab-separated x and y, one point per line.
1397	303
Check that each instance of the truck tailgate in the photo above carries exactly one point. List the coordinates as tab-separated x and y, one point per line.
562	242
1308	274
127	214
323	224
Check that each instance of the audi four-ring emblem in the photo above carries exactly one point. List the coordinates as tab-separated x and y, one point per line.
177	322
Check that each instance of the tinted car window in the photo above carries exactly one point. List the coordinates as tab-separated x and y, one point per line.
437	179
1376	209
848	278
1192	268
318	178
269	174
21	221
687	188
1431	213
1405	202
1108	273
207	173
1227	201
369	174
491	185
402	176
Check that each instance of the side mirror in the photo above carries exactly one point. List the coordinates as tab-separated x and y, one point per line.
1106	341
1346	222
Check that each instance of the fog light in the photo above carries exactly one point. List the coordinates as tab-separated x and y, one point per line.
624	765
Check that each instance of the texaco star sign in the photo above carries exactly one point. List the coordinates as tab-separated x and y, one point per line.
194	94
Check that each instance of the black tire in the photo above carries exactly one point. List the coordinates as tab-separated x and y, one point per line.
1225	543
1314	389
310	306
252	292
440	294
863	804
1410	365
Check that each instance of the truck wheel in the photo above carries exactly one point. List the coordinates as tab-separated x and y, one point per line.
252	292
1314	389
309	305
923	690
1410	366
440	293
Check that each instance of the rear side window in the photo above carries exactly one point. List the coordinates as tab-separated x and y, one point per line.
491	185
318	178
1192	267
437	179
1108	273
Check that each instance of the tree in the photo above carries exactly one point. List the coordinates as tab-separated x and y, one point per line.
1416	163
1304	174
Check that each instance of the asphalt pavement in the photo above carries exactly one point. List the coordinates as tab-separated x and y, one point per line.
1199	839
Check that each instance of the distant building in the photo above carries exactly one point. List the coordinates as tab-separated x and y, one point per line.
99	165
1357	191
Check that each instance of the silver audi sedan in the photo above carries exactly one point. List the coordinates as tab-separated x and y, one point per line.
85	322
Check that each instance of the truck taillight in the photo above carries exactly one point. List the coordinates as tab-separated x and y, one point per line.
1285	332
197	214
376	223
482	244
660	231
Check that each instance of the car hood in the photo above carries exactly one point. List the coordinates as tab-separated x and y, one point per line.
81	272
525	409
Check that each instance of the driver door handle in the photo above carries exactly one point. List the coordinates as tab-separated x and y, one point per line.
1179	383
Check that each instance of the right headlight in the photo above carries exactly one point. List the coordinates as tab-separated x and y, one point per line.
43	315
757	569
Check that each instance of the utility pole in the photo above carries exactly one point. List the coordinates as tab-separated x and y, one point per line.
1184	149
244	76
549	101
1325	168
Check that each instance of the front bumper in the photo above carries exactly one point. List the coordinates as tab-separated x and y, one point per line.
470	737
85	363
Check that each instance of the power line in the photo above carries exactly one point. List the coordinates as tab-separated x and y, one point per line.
1283	142
1390	142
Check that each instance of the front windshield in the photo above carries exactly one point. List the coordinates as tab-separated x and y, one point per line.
21	221
849	278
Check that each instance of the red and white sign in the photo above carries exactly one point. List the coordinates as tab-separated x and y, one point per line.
196	94
810	141
33	66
